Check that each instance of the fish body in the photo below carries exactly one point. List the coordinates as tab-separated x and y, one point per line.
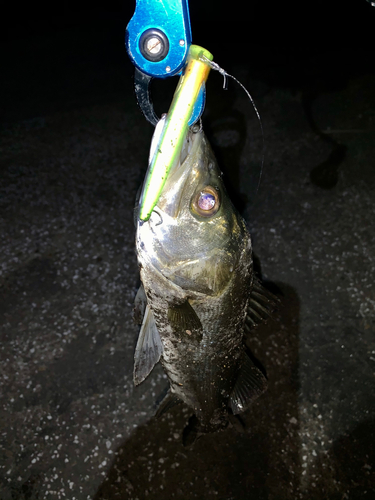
195	261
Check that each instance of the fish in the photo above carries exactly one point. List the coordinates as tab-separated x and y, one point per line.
199	296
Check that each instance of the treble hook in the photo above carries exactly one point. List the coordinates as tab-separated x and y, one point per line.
161	218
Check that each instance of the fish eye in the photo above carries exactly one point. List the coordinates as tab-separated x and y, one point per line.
206	202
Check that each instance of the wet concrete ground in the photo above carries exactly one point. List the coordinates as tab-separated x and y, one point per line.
74	149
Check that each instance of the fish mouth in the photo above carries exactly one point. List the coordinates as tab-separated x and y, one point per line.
182	176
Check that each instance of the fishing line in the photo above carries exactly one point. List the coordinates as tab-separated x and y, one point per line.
226	75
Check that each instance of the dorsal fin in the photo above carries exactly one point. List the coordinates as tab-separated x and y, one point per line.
250	384
262	304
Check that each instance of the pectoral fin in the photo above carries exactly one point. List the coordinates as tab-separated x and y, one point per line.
149	348
184	320
250	384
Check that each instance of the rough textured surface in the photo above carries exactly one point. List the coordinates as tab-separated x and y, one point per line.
74	149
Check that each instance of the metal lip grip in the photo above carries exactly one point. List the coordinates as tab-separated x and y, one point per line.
158	36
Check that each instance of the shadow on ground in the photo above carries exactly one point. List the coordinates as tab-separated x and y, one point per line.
347	470
154	464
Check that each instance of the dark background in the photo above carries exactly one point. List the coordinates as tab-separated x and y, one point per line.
73	152
44	67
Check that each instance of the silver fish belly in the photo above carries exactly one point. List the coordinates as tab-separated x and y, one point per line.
195	261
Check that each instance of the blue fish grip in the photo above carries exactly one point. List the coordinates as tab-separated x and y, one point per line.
166	21
157	40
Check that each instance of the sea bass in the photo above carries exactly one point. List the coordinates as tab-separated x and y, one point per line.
198	292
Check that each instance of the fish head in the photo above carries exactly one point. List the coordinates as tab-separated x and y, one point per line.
195	236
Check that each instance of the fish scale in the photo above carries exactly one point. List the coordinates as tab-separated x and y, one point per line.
196	270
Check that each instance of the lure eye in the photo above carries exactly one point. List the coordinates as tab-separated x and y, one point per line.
206	202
